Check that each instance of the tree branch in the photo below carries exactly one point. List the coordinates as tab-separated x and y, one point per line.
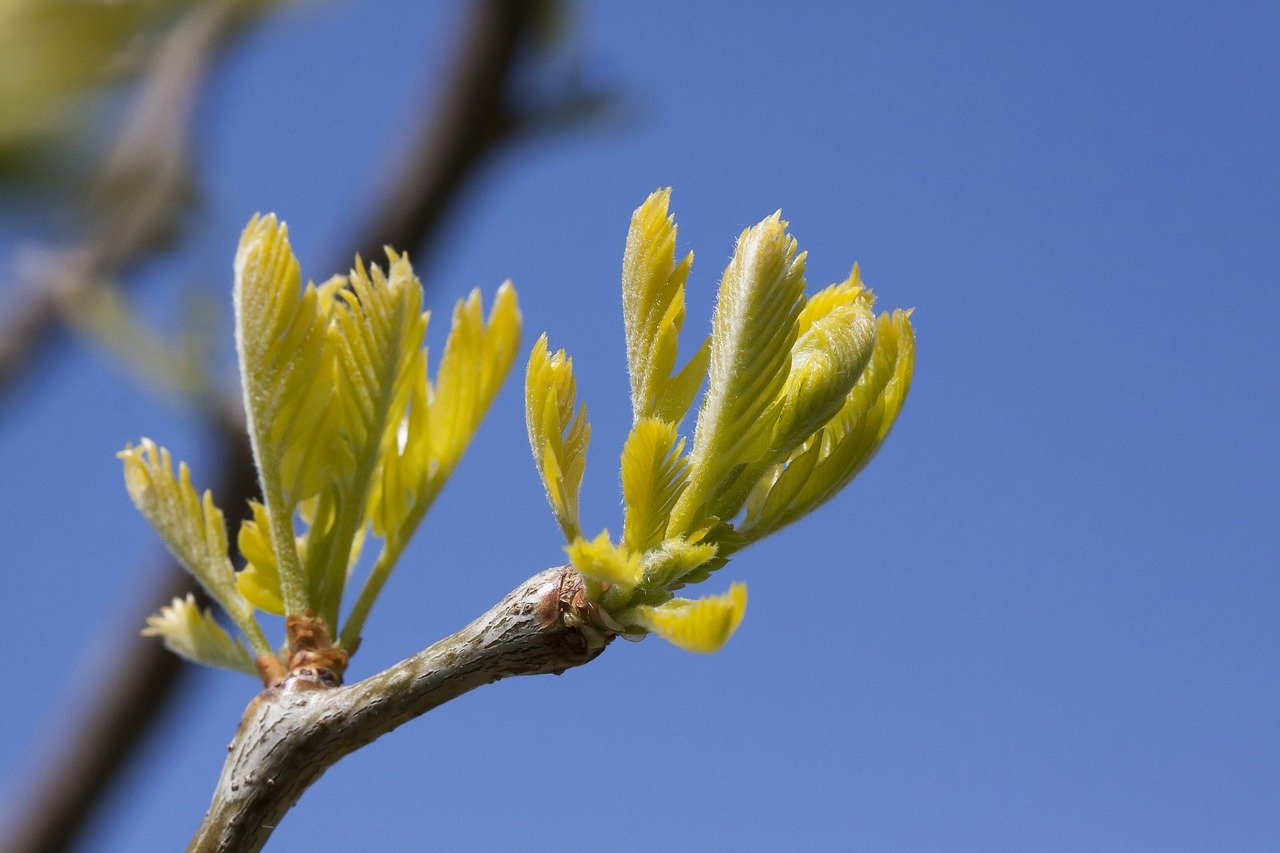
292	732
474	118
140	190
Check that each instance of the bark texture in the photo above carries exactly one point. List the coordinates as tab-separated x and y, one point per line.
295	730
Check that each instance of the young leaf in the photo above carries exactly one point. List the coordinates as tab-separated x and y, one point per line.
289	379
476	359
194	635
435	431
667	564
441	420
760	299
191	527
826	361
406	480
849	292
259	580
558	435
600	560
704	625
653	473
653	312
376	335
825	463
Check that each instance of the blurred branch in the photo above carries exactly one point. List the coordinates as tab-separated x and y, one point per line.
474	118
140	192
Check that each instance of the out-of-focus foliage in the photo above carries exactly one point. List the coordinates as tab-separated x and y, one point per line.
801	391
56	54
349	434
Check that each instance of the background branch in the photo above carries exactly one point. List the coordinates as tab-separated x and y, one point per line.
139	193
474	118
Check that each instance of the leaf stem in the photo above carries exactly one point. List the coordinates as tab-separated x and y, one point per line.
373	584
293	588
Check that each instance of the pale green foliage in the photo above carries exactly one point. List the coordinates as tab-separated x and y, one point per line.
600	560
828	460
375	333
190	525
801	392
349	433
704	625
558	434
653	313
195	635
653	475
259	580
55	52
761	295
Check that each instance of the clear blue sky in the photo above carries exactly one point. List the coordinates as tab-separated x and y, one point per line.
1045	618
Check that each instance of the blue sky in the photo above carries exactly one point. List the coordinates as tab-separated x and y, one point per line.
1045	617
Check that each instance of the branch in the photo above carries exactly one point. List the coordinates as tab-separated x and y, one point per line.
474	118
146	169
136	696
292	732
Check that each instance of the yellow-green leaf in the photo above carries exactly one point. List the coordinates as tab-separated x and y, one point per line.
653	473
849	292
760	299
289	376
376	335
195	635
259	580
558	436
826	361
824	464
191	526
285	366
668	563
476	359
703	625
442	419
600	560
653	313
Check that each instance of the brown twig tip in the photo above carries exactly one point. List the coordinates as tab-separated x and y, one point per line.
315	663
590	628
271	669
306	632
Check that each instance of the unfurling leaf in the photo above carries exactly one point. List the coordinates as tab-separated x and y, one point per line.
558	436
667	564
653	473
702	625
826	362
754	328
653	312
824	464
375	333
191	526
259	580
600	560
441	420
289	378
285	366
476	359
195	635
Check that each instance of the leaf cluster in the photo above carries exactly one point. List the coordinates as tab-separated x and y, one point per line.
800	393
351	438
